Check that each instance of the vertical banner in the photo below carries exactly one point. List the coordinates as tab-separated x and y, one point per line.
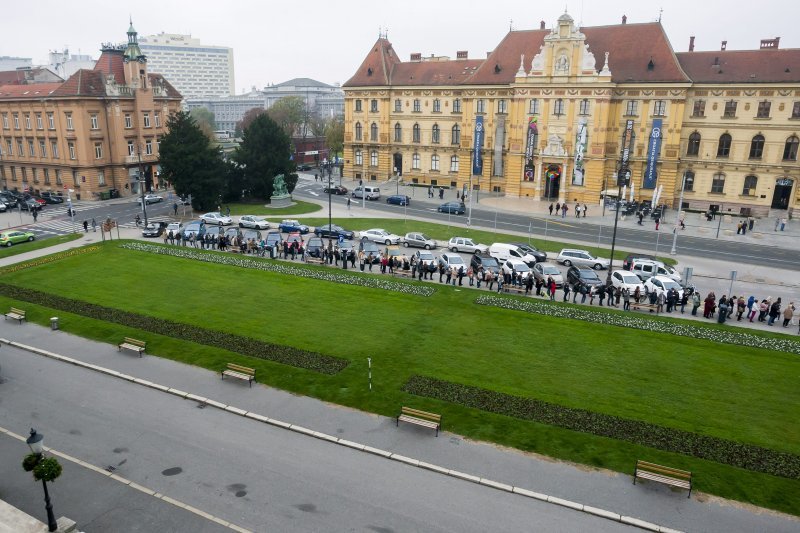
499	139
625	154
533	136
477	145
653	148
580	151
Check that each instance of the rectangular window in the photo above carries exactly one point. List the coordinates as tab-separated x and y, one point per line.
373	158
5	121
533	107
763	109
750	184
27	125
398	106
20	148
417	106
101	178
16	121
71	148
730	109
148	147
157	119
502	106
24	174
358	105
69	121
13	173
31	153
10	147
480	106
415	161
795	111
583	108
457	105
54	149
98	150
718	184
437	106
699	108
51	121
42	148
35	173
454	163
146	120
58	177
128	121
359	157
95	125
131	148
39	123
435	162
659	108
47	176
373	106
558	107
631	108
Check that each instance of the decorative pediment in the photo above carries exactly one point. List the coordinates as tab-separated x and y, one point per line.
555	146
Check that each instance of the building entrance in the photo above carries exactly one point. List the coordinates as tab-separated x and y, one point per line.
783	193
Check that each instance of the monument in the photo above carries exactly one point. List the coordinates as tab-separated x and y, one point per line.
280	195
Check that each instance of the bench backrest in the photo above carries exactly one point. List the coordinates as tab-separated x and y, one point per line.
663	470
433	417
17	311
136	342
242	369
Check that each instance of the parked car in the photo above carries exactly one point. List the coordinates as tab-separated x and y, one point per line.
398	199
251	234
9	199
424	255
370	192
39	200
419	240
380	235
369	247
3	207
582	277
196	228
661	284
175	227
150	199
486	261
154	229
544	270
465	244
502	251
332	230
624	279
11	237
531	250
452	260
304	167
291	226
568	257
456	208
52	198
29	203
627	263
253	221
217	218
314	247
516	266
232	233
645	269
215	231
338	189
272	239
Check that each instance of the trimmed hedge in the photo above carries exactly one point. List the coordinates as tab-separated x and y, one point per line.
747	456
626	320
324	364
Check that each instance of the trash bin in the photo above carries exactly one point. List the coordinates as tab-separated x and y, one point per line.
272	252
54	323
113	193
105	195
722	313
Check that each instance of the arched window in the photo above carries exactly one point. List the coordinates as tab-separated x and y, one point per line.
415	133
558	107
453	163
724	147
373	158
435	162
790	148
750	183
718	183
435	134
456	135
358	131
415	161
757	147
359	157
373	132
689	181
694	144
398	133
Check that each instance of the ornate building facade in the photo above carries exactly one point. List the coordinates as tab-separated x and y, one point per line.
543	116
96	132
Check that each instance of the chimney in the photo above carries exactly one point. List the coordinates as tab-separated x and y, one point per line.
770	43
624	19
691	43
461	54
416	57
541	25
724	45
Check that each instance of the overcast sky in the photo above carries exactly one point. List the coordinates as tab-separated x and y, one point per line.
276	41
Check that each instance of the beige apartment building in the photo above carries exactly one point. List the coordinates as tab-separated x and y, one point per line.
553	106
95	133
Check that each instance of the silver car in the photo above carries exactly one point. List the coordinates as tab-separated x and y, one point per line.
419	240
465	244
543	270
581	258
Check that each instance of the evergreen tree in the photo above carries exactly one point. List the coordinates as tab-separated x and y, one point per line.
263	154
191	164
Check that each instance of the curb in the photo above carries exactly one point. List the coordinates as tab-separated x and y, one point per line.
600	513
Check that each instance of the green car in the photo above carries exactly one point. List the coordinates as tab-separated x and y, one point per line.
7	238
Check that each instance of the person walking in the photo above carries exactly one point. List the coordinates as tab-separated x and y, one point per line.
86	226
558	208
564	209
551	208
566	292
658	221
752	308
577	210
35	214
94	225
584	210
640	215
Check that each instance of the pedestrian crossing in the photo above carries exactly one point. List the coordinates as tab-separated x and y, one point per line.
64	226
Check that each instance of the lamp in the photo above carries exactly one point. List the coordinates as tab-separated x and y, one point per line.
36	443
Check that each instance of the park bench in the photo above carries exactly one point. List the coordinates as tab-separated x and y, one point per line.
645	305
314	260
134	345
16	314
663	474
240	372
401	272
519	289
420	418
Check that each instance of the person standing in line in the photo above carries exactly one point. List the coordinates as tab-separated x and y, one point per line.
577	210
558	208
584	210
626	299
696	303
550	208
564	209
774	312
566	292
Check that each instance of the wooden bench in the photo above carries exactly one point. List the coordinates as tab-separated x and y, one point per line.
314	260
519	289
420	418
134	345
644	305
663	474
240	372
400	272
16	314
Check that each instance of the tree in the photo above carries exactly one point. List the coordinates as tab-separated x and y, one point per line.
205	120
263	154
190	163
289	113
248	119
334	135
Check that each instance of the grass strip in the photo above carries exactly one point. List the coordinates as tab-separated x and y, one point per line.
749	457
39	244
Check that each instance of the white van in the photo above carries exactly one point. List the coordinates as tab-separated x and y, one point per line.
370	192
647	268
503	252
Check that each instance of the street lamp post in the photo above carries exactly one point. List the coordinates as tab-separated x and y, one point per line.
330	216
36	444
677	220
142	182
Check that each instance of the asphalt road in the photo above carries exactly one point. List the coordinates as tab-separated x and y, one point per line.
256	476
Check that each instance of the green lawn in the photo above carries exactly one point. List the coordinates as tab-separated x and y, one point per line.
38	244
732	392
258	208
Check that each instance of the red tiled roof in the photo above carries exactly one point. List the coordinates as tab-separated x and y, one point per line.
434	72
158	79
84	82
376	67
37	90
111	62
11	77
742	66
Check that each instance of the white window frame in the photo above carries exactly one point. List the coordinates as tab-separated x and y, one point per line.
148	147
480	105
533	106
435	162
98	150
157	119
70	125
453	163
71	148
131	148
457	105
51	121
94	122
54	149
359	157
659	108
373	158
128	121
42	148
101	178
39	122
146	119
415	161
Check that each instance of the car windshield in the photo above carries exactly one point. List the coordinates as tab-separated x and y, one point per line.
521	267
629	278
670	285
550	270
455	260
588	275
489	261
424	237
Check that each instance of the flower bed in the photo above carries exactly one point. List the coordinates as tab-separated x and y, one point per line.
286	355
747	456
293	270
48	259
636	322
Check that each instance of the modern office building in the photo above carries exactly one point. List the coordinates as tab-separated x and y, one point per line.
96	133
66	64
12	63
195	69
548	113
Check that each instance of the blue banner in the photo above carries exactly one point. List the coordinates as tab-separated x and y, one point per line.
650	172
477	146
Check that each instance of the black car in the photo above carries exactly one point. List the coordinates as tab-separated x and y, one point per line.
579	277
338	189
314	247
456	208
486	261
273	238
399	199
154	229
332	230
369	247
29	203
530	249
304	168
52	198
